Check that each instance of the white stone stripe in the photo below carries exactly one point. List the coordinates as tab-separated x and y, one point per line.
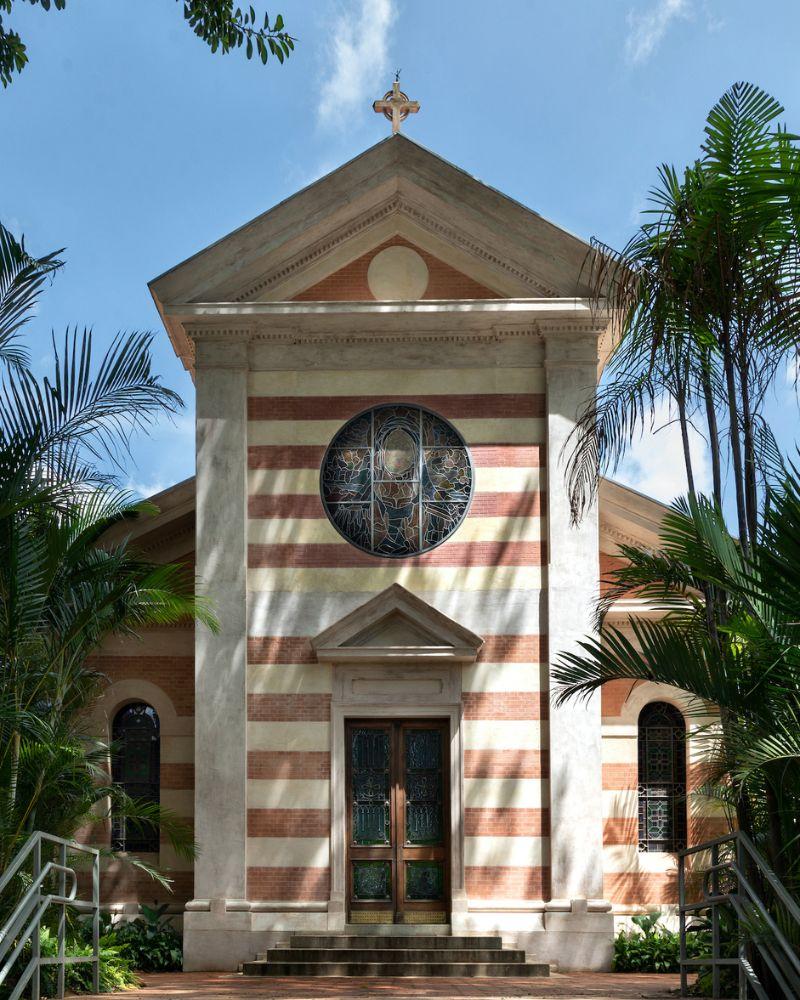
488	479
506	852
487	430
288	735
289	678
373	580
505	793
428	382
619	858
502	677
491	734
177	749
620	803
488	612
288	793
288	852
170	861
178	800
316	531
623	750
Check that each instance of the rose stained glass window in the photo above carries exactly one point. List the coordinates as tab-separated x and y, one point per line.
396	480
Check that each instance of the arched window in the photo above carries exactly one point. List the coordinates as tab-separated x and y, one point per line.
135	766
662	778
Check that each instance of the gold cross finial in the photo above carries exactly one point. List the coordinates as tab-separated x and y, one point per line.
395	105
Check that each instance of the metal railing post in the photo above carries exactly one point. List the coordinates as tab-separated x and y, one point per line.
36	940
96	923
715	943
682	922
22	927
62	920
741	948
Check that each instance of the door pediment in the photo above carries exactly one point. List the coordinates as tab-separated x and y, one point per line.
396	626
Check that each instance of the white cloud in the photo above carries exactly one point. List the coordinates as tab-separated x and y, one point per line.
648	27
146	489
358	58
793	370
654	465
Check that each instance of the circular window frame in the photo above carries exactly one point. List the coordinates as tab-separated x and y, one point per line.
390	406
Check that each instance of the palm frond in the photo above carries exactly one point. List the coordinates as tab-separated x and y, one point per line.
21	280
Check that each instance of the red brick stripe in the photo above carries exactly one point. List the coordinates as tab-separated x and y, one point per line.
490	882
620	830
280	649
291	456
288	764
505	764
288	883
640	887
288	707
461	554
495	649
173	674
613	696
177	776
125	884
617	777
266	505
485	405
288	822
502	822
513	649
285	505
526	504
505	705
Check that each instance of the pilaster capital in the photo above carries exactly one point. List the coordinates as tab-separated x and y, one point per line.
228	348
573	347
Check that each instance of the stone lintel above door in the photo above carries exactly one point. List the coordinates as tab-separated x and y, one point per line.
397	627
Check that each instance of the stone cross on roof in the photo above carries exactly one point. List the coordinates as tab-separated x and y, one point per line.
395	105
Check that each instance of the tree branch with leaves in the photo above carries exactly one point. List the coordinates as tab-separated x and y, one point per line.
222	26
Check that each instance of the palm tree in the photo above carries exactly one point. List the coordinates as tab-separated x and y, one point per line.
63	588
706	302
740	654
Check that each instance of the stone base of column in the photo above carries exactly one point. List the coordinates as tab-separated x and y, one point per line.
579	935
217	936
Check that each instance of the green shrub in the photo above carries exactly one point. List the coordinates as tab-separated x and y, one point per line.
150	942
650	949
116	969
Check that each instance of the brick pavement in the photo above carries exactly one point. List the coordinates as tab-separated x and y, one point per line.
221	986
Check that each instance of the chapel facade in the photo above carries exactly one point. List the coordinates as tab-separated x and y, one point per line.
388	366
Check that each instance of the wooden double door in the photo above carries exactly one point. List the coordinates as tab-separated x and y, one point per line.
398	821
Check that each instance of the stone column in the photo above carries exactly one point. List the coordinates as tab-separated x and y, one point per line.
218	915
576	915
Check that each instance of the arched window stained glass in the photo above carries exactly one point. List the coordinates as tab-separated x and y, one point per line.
135	766
662	778
396	480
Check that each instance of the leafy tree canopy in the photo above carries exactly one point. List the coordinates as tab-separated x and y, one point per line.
218	23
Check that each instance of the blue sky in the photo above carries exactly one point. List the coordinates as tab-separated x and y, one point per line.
128	143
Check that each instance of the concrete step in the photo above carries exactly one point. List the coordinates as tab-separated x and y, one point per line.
396	969
392	941
410	954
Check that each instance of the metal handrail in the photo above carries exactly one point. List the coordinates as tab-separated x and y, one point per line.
745	902
25	922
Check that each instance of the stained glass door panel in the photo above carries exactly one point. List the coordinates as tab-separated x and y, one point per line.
397	828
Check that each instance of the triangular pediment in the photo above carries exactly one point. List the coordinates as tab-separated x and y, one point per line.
396	625
394	190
